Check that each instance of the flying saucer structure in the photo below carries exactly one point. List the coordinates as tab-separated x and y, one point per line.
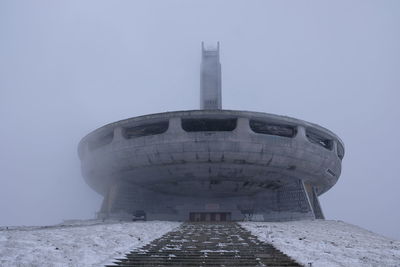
211	164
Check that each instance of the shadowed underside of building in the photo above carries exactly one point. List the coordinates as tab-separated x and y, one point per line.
211	164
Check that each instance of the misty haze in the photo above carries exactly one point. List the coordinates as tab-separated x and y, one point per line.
68	68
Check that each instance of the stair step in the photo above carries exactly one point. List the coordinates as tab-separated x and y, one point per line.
206	244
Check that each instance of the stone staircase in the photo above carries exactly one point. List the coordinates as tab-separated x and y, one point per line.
207	244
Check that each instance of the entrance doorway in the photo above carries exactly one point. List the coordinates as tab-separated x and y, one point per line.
209	216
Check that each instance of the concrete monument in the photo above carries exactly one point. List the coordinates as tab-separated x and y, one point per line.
211	164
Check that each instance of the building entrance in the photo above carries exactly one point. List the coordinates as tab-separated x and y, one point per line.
209	216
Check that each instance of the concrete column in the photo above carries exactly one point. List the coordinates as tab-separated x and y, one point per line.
317	207
334	148
308	189
111	197
108	201
118	134
301	133
243	126
175	126
313	199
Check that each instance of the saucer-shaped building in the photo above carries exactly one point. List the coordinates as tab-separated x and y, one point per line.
211	164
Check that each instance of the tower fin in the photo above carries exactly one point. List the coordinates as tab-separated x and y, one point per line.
210	78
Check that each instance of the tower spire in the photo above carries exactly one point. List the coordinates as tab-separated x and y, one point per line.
210	78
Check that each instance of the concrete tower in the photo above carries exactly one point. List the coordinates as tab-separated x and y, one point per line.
210	78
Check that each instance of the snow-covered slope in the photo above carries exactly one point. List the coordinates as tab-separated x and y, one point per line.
94	243
78	244
328	243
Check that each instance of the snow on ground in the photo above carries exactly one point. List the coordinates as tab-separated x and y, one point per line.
90	243
94	243
328	243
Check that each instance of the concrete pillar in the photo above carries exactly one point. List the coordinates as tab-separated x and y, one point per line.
243	126
301	133
308	189
118	134
109	199
334	148
317	207
175	126
313	199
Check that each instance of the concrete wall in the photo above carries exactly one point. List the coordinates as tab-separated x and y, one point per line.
289	202
177	172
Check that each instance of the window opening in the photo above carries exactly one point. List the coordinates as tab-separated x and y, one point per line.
146	129
264	127
208	125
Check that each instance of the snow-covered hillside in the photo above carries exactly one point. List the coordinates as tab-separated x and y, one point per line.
328	243
77	244
94	243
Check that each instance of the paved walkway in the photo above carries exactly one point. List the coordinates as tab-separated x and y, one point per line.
207	244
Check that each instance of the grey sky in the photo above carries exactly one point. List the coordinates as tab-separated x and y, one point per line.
68	67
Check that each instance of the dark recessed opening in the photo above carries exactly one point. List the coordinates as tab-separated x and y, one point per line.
100	141
264	127
146	129
340	151
331	172
208	125
319	139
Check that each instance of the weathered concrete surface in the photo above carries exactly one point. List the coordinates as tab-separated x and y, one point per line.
210	79
169	174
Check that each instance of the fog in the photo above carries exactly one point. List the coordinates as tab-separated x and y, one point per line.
68	67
